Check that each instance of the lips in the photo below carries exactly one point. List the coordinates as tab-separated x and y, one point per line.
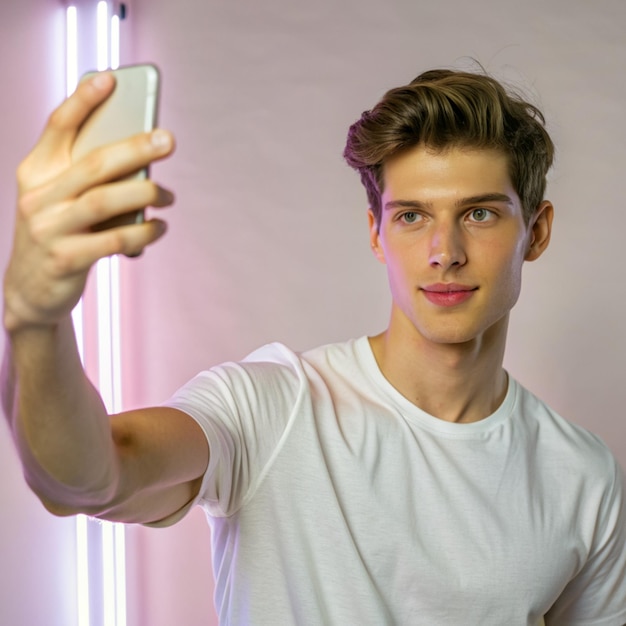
448	294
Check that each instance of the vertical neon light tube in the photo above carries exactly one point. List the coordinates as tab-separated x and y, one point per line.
82	570
71	50
82	553
115	42
112	536
113	561
103	35
119	539
109	357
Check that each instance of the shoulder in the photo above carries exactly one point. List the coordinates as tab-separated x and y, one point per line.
279	354
346	358
564	445
275	361
271	371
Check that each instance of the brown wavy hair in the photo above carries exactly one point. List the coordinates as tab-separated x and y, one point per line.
443	109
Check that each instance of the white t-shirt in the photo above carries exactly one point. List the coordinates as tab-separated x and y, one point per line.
333	500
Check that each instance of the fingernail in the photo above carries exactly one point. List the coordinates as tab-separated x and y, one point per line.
160	139
165	197
101	80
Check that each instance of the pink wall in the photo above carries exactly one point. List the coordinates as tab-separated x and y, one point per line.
268	240
37	574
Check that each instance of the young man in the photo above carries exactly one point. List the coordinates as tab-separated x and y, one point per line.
399	479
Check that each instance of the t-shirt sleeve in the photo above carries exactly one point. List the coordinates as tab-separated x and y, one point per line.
596	596
245	410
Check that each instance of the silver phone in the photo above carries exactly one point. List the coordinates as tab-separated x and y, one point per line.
132	108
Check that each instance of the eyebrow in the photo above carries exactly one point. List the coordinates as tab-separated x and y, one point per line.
479	199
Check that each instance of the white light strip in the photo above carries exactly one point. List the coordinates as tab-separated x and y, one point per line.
71	52
82	570
79	331
109	333
109	356
120	573
103	35
108	574
115	42
119	533
109	385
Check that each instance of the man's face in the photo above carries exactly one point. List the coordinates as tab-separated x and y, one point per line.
453	237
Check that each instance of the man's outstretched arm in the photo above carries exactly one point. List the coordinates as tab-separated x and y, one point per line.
139	466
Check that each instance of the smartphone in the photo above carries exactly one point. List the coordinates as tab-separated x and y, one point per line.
131	109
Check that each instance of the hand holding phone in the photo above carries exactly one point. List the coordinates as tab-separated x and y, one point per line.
59	200
131	109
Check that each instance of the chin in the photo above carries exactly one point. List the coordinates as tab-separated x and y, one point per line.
459	334
450	338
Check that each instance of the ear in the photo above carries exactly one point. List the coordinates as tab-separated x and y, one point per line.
375	236
540	229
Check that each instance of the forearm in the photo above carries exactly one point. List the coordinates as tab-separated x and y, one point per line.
59	423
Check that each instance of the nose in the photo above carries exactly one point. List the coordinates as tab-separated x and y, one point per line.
446	248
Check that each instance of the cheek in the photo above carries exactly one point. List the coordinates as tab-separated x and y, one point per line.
507	252
400	260
507	272
400	274
502	258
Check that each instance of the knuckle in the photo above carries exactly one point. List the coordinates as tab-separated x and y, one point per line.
117	243
28	204
95	204
28	174
33	224
38	231
61	262
93	164
58	119
23	173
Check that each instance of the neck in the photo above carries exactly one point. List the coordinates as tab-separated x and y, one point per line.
456	382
